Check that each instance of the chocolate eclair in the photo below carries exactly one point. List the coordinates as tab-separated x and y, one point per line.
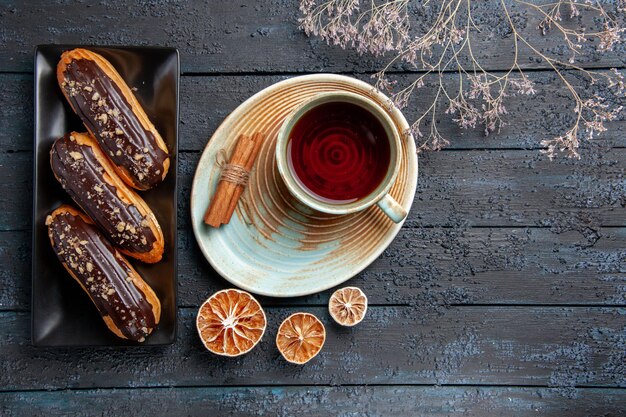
128	305
111	112
86	174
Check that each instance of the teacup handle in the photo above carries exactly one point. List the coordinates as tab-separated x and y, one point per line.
392	208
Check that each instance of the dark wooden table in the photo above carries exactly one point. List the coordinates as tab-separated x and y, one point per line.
503	295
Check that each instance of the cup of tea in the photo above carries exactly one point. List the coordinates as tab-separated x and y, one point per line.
339	153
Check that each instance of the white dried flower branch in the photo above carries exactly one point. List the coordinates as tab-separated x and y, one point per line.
446	45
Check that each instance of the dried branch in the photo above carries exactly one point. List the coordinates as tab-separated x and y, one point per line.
446	45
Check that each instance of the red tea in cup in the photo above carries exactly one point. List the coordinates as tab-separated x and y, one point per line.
339	152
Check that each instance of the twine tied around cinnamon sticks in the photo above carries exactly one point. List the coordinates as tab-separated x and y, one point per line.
233	178
231	172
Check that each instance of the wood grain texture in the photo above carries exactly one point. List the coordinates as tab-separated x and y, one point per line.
477	289
428	268
476	188
529	120
561	347
235	36
499	188
207	100
16	188
434	268
312	401
16	112
15	274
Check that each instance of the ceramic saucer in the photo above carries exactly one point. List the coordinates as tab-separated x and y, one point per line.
277	246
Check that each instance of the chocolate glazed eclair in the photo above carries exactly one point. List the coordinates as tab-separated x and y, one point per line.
128	305
86	174
110	111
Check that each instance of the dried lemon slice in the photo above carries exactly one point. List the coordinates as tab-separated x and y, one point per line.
231	322
300	337
348	306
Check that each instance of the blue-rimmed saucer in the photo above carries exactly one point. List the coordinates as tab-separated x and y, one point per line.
277	246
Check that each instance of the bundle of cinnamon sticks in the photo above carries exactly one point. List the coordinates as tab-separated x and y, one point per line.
233	179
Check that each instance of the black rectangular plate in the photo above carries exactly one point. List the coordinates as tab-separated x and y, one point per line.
62	313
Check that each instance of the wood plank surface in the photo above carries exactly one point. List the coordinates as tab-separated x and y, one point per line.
504	294
475	188
16	188
239	36
500	188
495	189
207	100
383	401
529	120
561	347
434	268
429	268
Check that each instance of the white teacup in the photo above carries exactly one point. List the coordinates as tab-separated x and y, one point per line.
380	195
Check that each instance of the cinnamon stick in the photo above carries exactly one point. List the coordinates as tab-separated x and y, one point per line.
257	139
227	194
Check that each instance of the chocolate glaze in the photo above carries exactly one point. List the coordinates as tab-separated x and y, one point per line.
82	175
99	102
102	271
